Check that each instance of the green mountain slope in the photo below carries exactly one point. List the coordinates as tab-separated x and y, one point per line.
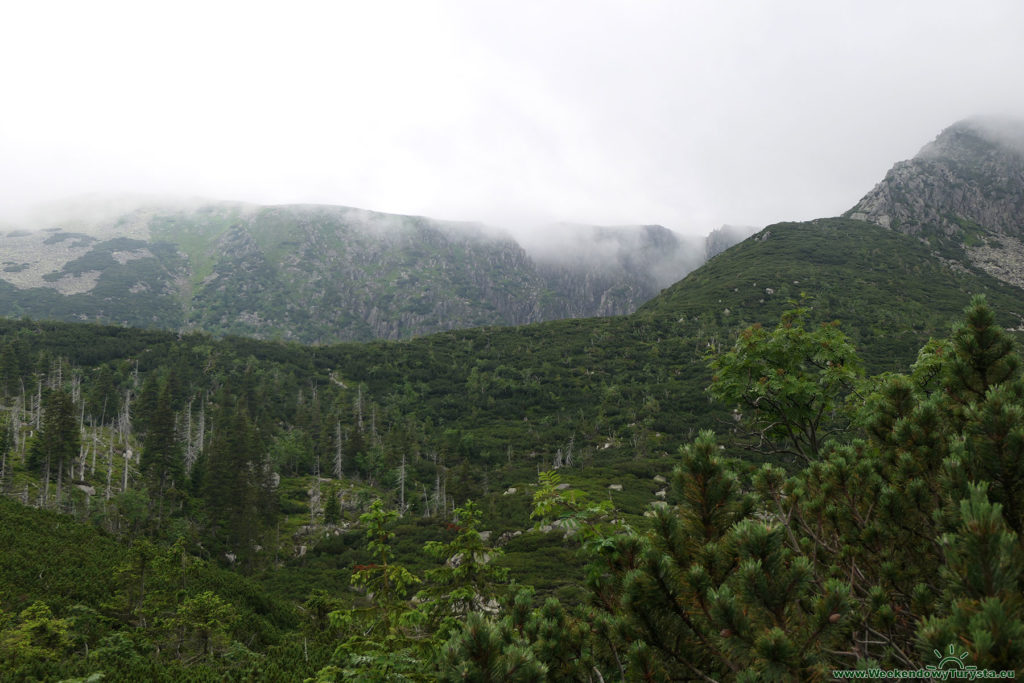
321	274
609	385
430	422
890	291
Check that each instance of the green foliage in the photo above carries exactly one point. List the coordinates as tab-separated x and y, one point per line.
161	459
381	640
490	652
236	484
332	510
36	635
527	644
469	578
859	551
203	623
788	384
559	506
388	583
983	594
57	442
879	549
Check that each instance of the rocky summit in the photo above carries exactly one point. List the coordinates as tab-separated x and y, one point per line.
963	192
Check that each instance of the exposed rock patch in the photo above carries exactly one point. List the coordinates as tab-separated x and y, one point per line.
1002	258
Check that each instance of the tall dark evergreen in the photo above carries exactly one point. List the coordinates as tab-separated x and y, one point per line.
982	601
101	396
983	382
162	460
983	356
56	445
146	403
238	484
13	366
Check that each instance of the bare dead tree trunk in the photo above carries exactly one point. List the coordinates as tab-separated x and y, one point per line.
124	475
110	467
46	484
39	402
401	488
95	448
315	497
76	389
17	415
440	495
190	447
373	425
60	483
56	378
338	473
359	407
201	430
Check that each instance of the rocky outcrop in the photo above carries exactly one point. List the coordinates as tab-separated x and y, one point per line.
969	179
966	188
724	237
1002	258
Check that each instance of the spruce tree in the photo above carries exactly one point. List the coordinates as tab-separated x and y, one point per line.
469	578
236	483
56	444
162	461
102	399
146	404
332	510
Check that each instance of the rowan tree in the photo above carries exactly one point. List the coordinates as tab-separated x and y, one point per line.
787	385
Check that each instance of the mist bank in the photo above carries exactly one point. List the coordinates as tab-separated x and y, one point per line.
320	273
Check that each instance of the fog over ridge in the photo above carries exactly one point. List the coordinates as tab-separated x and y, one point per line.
687	115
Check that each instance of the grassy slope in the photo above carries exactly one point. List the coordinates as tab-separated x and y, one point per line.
889	290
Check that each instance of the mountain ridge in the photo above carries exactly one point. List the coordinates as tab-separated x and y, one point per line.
289	443
319	273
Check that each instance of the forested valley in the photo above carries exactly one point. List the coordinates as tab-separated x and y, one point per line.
776	469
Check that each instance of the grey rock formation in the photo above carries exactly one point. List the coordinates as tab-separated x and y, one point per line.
971	177
965	190
724	237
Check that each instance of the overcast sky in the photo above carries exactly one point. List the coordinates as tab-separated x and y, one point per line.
687	114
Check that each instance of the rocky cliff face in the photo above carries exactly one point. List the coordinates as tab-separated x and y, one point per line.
724	237
608	270
322	274
965	188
